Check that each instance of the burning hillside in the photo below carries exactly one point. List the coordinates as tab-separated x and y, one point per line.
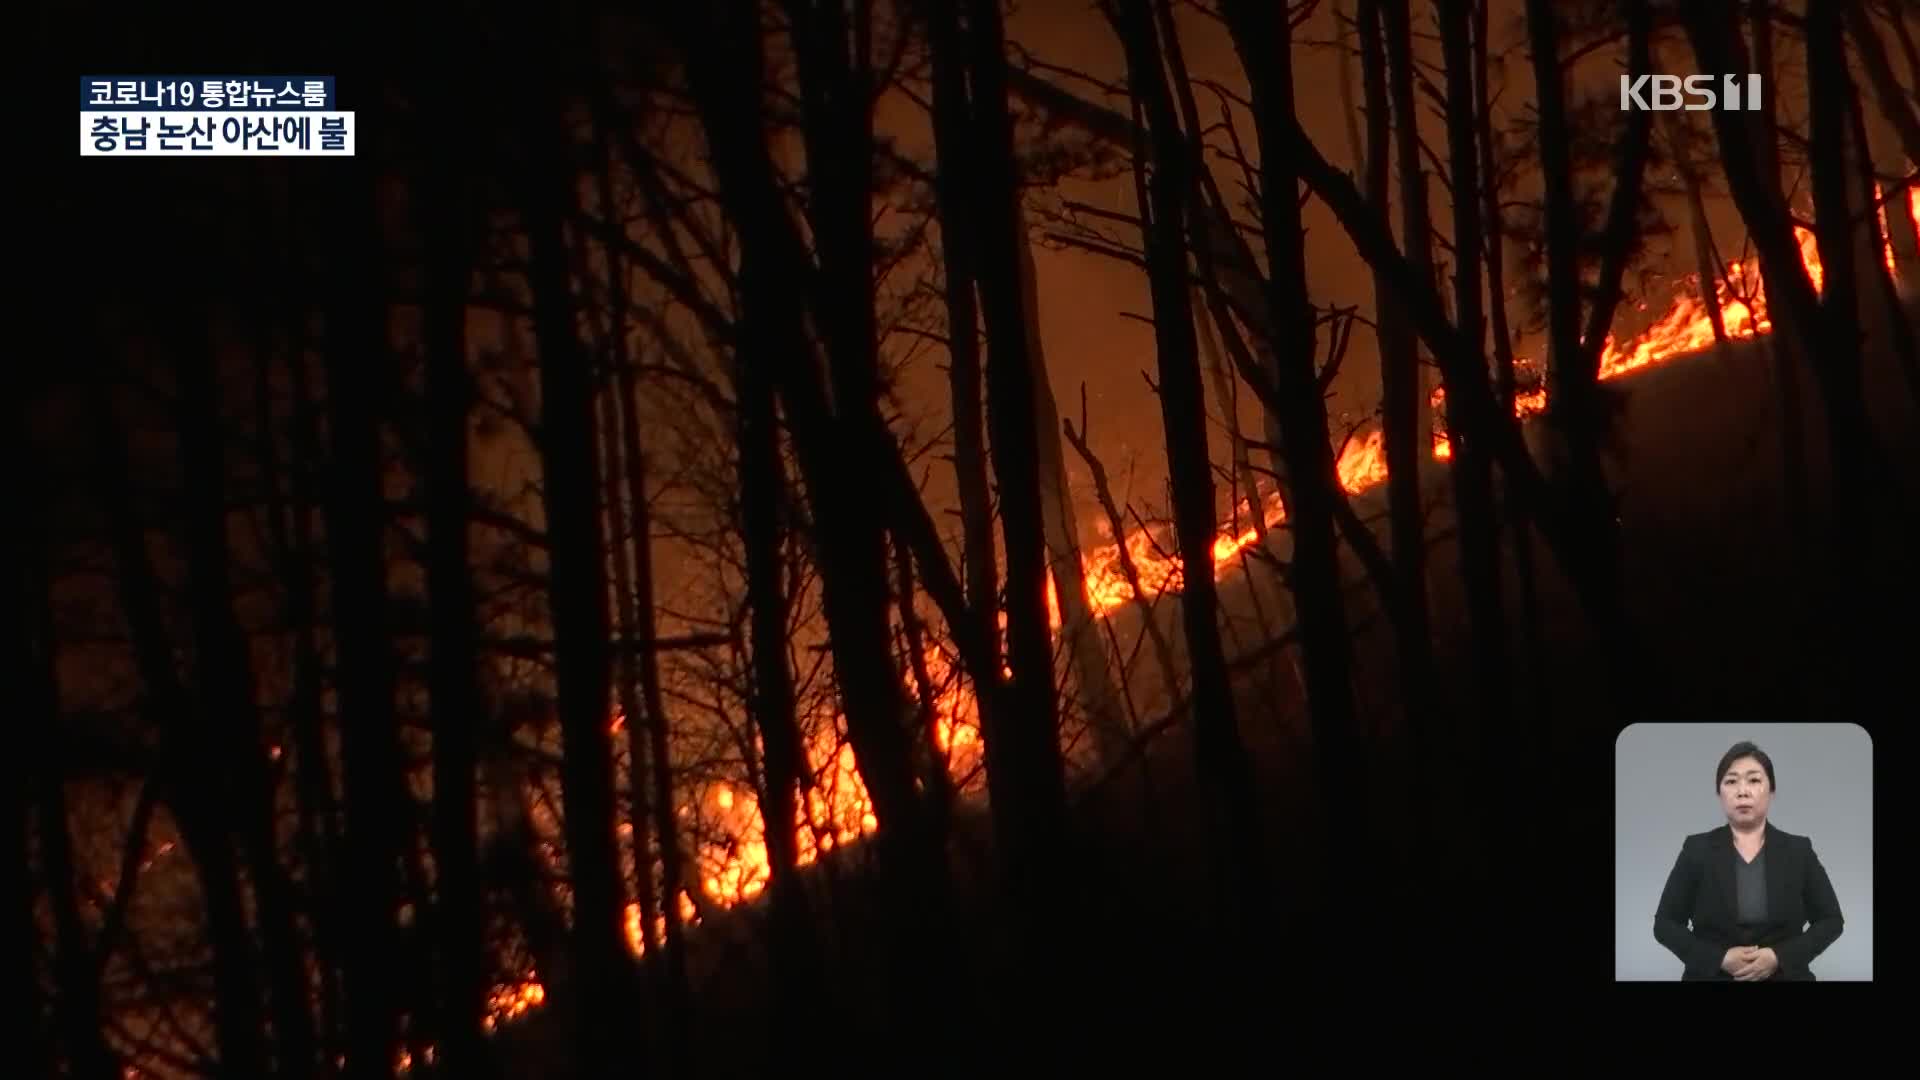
735	868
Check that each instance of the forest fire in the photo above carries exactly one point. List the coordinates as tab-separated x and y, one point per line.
462	594
838	810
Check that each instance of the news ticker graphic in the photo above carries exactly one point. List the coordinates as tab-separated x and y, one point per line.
212	116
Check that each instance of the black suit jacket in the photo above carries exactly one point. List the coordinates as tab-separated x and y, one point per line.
1803	915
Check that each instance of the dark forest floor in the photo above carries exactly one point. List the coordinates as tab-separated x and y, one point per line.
1709	577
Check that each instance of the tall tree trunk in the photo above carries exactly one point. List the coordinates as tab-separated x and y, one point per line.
953	184
1060	528
376	837
577	569
1399	385
1592	496
1858	469
1785	343
1855	453
1403	405
1504	373
1538	696
1575	407
953	192
1225	769
1263	41
676	868
1470	463
1230	267
620	442
626	672
796	956
1025	769
1571	389
652	778
183	769
453	662
1033	816
223	672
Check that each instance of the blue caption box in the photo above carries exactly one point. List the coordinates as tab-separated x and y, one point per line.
207	93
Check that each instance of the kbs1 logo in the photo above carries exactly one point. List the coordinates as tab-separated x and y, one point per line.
1671	93
212	116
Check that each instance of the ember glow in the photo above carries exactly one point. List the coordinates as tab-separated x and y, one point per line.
837	810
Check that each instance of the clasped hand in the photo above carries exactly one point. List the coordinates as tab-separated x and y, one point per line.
1747	963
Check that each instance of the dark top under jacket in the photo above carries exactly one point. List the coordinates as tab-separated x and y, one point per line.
1714	900
1750	889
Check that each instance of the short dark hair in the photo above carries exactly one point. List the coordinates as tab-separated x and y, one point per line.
1738	751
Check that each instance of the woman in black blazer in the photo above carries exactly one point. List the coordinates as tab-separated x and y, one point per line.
1758	901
